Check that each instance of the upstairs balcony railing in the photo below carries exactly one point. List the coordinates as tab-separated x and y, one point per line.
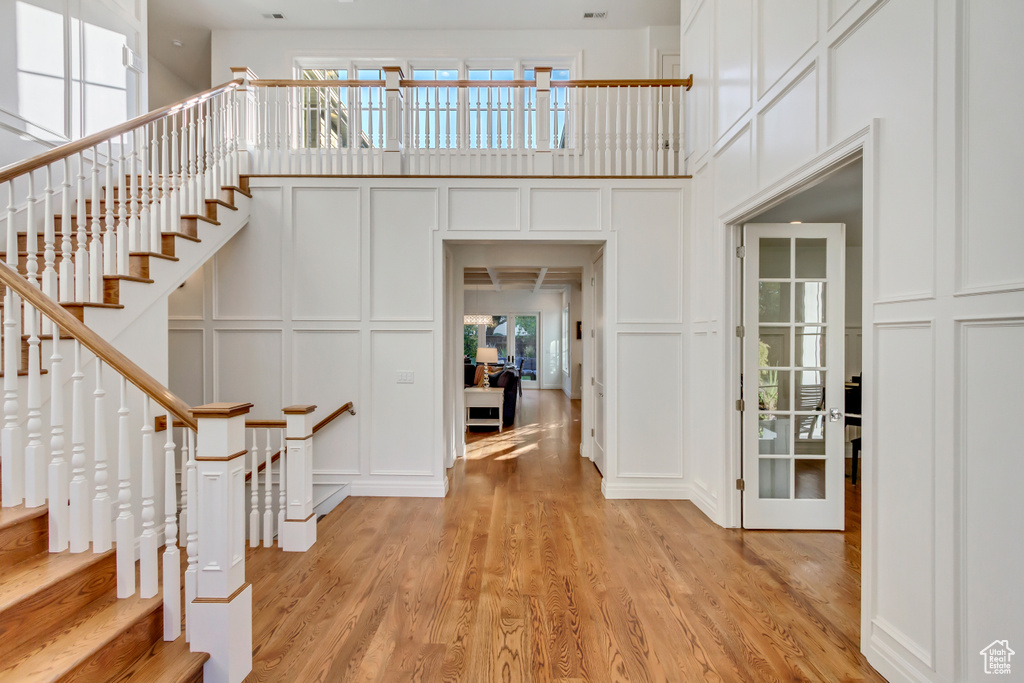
400	126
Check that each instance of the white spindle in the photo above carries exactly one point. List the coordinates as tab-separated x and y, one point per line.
254	498
282	498
101	503
148	544
35	451
624	134
137	240
82	246
78	492
31	234
171	561
96	244
58	494
209	135
660	138
172	181
123	204
11	451
193	163
110	235
125	518
163	211
65	285
268	499
49	241
151	188
192	546
184	191
183	525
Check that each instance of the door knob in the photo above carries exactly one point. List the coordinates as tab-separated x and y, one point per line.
834	415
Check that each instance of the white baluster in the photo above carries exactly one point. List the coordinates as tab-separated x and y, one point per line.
164	212
49	242
12	453
193	163
184	190
268	497
82	246
282	497
183	525
173	181
211	161
110	235
150	187
171	560
148	544
101	503
31	234
66	269
650	151
35	451
125	518
254	498
625	135
78	492
192	545
96	244
123	204
58	513
146	242
135	197
661	154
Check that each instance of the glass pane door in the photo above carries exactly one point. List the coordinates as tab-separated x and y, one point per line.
793	353
526	342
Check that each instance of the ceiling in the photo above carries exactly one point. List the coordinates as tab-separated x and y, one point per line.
837	199
522	277
190	21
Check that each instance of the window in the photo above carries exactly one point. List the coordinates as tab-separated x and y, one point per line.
565	340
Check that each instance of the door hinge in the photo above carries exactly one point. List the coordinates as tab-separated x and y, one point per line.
741	485
740	330
593	281
591	381
591	334
741	252
591	431
741	405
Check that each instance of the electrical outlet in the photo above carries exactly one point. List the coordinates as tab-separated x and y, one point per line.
406	377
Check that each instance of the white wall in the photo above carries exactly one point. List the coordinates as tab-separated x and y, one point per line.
47	47
603	53
338	284
785	88
165	86
512	301
572	382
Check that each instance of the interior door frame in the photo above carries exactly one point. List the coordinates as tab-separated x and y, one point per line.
860	145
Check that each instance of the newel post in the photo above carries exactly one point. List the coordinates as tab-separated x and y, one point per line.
299	532
221	620
244	117
544	164
393	141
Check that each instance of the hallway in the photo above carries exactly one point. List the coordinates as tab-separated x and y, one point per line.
525	572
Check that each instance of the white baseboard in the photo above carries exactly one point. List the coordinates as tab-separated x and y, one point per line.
705	503
432	489
669	490
888	662
333	498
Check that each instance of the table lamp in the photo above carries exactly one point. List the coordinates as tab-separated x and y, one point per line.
486	355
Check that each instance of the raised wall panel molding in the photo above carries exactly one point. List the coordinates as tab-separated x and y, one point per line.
837	11
402	222
726	118
565	208
796	45
791	115
484	209
326	254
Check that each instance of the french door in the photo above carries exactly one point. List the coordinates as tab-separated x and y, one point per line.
793	372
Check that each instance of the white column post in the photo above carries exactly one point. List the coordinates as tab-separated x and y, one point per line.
221	620
393	102
544	164
299	532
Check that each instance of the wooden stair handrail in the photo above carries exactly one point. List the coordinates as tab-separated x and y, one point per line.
58	153
257	424
413	83
99	346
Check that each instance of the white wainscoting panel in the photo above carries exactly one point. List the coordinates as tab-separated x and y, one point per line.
186	302
734	57
247	368
788	130
650	404
326	254
402	431
326	373
247	280
837	9
649	285
187	362
904	485
565	209
898	41
697	61
788	29
990	253
401	229
734	170
991	404
480	208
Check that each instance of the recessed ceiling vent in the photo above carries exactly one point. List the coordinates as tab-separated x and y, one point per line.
595	15
273	15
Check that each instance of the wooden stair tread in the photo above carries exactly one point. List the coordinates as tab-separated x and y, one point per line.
90	304
13	516
76	643
238	189
42	571
154	254
183	235
129	278
166	662
197	217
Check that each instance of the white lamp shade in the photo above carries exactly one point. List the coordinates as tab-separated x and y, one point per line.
486	354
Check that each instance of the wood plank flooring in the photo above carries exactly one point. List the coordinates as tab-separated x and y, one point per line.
526	573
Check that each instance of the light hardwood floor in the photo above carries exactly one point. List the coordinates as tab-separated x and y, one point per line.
526	573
